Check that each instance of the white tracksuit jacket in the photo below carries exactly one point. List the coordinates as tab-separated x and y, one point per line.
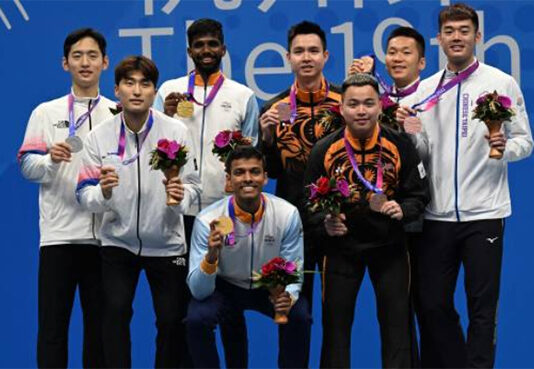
235	107
465	184
61	219
136	216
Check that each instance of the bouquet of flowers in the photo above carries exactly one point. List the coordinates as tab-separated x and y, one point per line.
493	109
331	120
226	141
275	275
169	156
389	108
328	194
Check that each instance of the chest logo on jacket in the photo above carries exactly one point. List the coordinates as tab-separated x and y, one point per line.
62	124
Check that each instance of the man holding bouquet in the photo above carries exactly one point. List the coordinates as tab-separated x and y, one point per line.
387	188
139	230
232	239
464	222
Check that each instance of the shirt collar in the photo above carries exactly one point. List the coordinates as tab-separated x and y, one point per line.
245	216
199	81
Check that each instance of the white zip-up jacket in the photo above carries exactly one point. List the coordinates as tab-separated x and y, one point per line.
61	219
234	108
465	184
278	233
136	216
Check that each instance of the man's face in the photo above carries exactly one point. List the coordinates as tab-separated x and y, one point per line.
247	178
403	61
307	56
136	93
360	108
206	52
85	63
458	40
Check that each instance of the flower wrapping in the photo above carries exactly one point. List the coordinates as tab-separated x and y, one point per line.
168	153
226	141
493	107
328	194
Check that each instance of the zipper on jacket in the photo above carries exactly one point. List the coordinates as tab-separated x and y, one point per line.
456	153
312	115
138	195
252	250
202	143
93	215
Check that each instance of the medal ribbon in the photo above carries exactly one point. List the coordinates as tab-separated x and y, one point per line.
433	99
122	139
293	100
212	94
231	212
379	169
73	126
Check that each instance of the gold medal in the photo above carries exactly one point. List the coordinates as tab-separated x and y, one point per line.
376	201
224	225
185	109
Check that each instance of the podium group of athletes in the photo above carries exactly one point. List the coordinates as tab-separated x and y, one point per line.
425	199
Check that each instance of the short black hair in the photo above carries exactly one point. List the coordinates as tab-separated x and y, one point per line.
77	35
136	63
458	12
305	28
204	27
243	152
411	33
359	80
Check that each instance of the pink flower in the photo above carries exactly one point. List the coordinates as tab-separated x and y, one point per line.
313	191
386	102
290	267
505	101
343	187
482	99
223	138
169	148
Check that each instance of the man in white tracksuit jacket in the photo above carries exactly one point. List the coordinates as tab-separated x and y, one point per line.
69	255
139	231
216	106
470	199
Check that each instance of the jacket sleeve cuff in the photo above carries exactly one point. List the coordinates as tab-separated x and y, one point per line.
207	267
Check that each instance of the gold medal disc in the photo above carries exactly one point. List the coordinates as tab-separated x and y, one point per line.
185	109
224	225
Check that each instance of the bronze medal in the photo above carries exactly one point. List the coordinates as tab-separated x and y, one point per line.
284	112
376	201
185	109
412	125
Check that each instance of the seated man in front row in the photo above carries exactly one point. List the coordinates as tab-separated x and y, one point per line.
220	277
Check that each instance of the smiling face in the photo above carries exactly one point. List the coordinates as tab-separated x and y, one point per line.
247	178
458	39
207	52
307	56
360	109
85	63
403	61
136	93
